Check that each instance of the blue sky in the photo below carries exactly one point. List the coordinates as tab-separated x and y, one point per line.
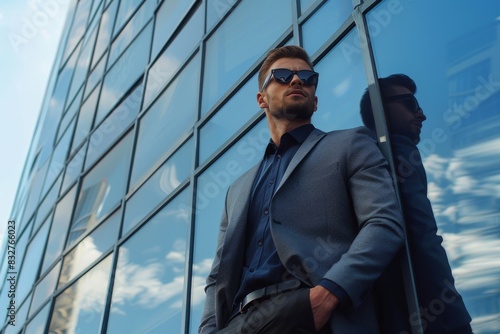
29	36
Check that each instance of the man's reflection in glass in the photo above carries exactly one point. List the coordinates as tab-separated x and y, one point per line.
441	306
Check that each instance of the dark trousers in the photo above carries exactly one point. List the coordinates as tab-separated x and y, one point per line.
285	313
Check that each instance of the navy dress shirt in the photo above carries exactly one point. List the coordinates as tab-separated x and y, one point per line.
262	265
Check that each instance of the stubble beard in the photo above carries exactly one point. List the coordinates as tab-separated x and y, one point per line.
297	110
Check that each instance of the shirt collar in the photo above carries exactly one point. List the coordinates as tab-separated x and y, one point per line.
297	135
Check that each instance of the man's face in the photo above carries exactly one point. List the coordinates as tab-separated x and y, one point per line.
404	115
292	100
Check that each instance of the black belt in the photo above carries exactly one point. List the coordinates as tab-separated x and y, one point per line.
267	292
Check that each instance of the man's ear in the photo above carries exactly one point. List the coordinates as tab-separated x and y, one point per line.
315	103
261	100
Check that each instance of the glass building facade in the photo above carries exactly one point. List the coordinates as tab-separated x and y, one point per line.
150	114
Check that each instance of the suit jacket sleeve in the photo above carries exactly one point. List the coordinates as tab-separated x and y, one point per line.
378	215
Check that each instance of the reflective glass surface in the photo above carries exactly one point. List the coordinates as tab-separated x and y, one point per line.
53	114
35	188
79	308
157	134
94	76
90	249
305	4
161	184
21	314
169	62
342	80
149	282
78	27
125	72
113	126
105	31
58	158
234	47
85	119
125	11
59	229
73	168
45	288
102	188
210	195
327	19
454	63
47	203
82	65
168	17
216	9
31	263
69	114
131	30
39	322
231	117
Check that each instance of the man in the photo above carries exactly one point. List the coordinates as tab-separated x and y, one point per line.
441	307
305	233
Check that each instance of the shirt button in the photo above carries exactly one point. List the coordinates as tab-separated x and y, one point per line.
266	211
259	243
271	181
251	270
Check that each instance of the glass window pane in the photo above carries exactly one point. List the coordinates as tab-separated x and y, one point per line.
216	9
85	119
45	288
105	31
58	159
69	114
35	188
95	76
39	322
82	65
168	17
157	133
125	72
78	27
90	249
304	5
74	168
31	264
169	62
47	203
231	117
79	308
21	314
342	80
161	184
55	109
59	230
454	64
127	8
210	195
131	30
152	290
327	19
102	189
114	125
234	47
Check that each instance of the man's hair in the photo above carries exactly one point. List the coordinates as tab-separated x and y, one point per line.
289	51
385	84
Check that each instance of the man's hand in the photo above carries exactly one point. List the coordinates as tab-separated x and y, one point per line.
323	303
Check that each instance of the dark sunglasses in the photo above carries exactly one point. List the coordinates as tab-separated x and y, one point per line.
407	100
284	76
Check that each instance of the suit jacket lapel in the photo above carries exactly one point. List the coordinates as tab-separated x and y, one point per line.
303	150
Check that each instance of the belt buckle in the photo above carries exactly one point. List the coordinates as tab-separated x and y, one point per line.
241	308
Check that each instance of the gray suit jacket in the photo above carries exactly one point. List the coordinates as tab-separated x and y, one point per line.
334	215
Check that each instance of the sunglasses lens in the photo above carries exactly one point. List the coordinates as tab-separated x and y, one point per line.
283	75
309	78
